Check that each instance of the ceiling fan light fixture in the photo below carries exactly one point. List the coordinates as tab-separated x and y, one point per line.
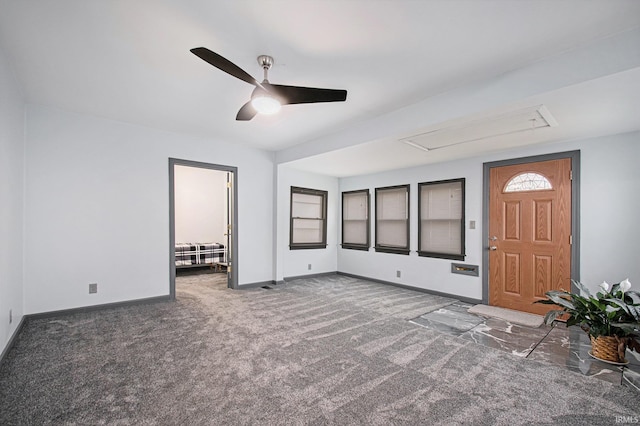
265	104
267	98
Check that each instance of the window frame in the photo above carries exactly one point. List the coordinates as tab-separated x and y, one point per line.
314	245
440	255
389	249
356	246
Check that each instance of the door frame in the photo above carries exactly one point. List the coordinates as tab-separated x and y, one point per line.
575	211
233	281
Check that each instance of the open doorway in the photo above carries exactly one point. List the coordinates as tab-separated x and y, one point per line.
202	219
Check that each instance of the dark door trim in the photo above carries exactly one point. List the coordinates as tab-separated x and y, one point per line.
575	211
233	282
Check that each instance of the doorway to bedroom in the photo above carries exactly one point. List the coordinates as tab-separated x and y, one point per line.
203	221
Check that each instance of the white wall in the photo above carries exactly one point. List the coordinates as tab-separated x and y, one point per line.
609	205
293	263
11	201
423	272
97	208
200	205
610	202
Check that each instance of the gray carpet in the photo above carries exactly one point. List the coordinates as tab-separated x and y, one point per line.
330	350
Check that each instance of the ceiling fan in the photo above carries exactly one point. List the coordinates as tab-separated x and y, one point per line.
266	97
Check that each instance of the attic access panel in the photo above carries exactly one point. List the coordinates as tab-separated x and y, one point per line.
489	127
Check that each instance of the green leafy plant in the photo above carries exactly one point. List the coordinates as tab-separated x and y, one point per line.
614	311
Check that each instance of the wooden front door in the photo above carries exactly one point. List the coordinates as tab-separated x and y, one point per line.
529	233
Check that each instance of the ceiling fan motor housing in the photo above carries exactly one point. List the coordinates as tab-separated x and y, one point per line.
265	61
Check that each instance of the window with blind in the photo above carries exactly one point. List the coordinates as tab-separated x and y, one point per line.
441	223
355	220
392	219
308	229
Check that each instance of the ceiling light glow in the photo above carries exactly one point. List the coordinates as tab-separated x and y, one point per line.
265	104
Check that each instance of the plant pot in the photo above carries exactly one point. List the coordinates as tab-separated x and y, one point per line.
609	348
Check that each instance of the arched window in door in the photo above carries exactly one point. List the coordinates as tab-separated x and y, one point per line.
528	182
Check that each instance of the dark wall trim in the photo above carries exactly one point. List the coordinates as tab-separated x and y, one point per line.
233	253
284	280
419	289
575	211
324	195
256	285
12	339
438	255
387	249
321	274
94	308
312	246
383	249
442	255
63	312
354	246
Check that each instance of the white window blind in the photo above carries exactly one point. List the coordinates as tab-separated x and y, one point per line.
355	218
308	220
441	218
392	217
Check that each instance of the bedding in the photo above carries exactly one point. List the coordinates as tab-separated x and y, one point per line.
197	254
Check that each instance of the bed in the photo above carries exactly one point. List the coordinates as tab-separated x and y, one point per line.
199	254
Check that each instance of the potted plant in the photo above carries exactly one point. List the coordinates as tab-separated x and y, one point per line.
611	317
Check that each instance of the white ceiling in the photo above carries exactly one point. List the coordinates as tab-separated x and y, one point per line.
130	61
599	107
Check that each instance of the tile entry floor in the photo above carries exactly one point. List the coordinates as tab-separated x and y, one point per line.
567	347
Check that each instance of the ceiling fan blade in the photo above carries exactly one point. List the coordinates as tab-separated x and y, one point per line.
305	95
224	64
247	112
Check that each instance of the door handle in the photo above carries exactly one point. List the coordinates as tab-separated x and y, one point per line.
493	248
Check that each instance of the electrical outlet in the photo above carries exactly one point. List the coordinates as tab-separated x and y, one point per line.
309	267
93	288
397	274
472	224
10	316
